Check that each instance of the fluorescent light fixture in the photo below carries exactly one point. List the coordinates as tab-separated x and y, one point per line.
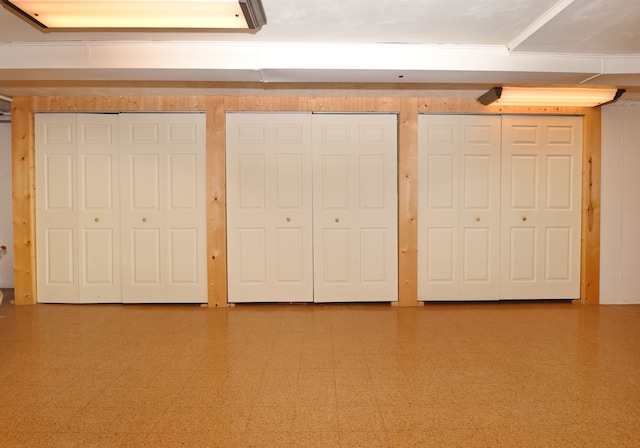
549	96
142	14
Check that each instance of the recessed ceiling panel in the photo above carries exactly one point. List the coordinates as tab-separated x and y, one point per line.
590	26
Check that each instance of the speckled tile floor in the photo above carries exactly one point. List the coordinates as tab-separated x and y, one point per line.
454	375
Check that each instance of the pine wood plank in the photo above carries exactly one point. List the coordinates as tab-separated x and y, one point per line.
591	184
23	184
408	203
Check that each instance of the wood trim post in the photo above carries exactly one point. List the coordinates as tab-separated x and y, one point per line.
216	203
408	203
591	185
24	209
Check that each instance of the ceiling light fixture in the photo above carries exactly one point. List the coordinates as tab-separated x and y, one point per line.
141	14
549	96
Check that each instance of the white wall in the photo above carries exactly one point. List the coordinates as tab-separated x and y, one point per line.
620	212
6	226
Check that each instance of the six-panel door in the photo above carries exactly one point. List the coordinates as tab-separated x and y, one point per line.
541	207
459	207
98	209
163	208
269	208
355	214
77	204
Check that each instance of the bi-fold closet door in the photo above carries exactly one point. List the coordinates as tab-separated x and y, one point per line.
311	207
499	207
459	207
77	208
120	208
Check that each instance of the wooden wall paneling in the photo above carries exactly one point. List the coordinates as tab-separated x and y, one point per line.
215	106
231	103
304	103
23	185
359	104
591	183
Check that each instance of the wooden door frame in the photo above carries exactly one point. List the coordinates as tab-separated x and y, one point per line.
407	108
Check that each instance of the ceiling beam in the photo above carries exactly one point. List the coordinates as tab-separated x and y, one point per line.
538	23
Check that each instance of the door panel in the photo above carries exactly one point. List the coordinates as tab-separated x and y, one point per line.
479	263
477	255
142	217
145	257
372	176
60	258
524	180
541	207
183	257
99	264
253	256
558	252
144	173
288	179
98	211
441	258
59	180
559	183
459	207
252	186
163	208
290	250
336	182
438	209
183	192
372	249
56	208
336	248
442	182
269	207
523	254
355	208
77	209
97	183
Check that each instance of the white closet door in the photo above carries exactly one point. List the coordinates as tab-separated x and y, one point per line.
439	207
479	267
185	265
56	208
541	203
98	209
459	207
163	208
269	243
355	208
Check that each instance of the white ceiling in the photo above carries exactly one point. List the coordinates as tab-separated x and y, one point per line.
435	45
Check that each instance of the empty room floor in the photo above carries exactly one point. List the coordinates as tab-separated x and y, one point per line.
441	375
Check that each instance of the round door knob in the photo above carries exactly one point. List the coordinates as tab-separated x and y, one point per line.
477	219
144	219
524	218
288	219
337	219
97	220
